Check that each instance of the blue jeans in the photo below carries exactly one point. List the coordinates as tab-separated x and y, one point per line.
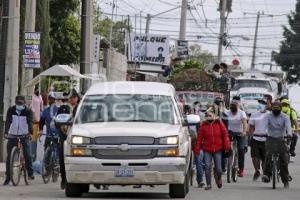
199	161
241	144
208	157
33	148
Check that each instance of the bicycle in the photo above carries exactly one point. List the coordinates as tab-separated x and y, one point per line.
50	165
17	163
232	163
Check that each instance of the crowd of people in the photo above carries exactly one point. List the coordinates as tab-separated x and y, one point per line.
265	132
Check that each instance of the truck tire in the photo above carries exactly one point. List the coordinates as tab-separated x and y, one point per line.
179	190
85	188
74	190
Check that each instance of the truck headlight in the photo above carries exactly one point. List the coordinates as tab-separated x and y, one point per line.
173	140
80	140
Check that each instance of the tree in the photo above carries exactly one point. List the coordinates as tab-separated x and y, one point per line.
65	31
196	53
288	57
43	26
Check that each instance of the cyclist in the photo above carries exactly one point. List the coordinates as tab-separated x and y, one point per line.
279	126
47	117
237	127
212	138
18	123
258	127
292	115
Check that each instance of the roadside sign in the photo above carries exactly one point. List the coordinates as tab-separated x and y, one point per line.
182	49
31	50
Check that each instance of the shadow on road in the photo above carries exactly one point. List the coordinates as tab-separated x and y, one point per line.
127	195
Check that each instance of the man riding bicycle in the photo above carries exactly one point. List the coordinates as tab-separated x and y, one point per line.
47	117
279	126
18	124
237	127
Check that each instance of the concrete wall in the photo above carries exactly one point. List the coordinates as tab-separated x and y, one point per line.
116	65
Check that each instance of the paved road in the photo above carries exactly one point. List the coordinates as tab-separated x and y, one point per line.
244	189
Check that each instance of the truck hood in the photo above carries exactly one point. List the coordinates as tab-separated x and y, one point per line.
145	129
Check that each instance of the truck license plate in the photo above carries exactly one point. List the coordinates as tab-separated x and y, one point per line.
124	172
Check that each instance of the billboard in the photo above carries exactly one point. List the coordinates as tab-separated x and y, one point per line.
31	50
149	49
182	49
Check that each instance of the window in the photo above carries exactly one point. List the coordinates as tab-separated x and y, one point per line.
252	83
127	108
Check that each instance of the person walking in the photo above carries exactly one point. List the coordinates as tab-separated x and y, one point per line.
237	127
18	124
37	108
212	139
279	126
258	130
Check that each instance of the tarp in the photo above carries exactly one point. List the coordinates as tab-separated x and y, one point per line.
57	70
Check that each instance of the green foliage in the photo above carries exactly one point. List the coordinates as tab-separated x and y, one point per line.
65	31
187	64
43	26
288	57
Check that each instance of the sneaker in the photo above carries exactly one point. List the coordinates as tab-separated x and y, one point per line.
152	186
219	183
6	182
256	176
137	186
63	185
293	154
31	177
241	173
265	179
208	187
201	185
286	185
290	178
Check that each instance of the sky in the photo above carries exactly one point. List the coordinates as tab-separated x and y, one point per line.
203	22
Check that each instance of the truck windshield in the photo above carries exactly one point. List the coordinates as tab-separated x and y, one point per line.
251	96
127	108
251	83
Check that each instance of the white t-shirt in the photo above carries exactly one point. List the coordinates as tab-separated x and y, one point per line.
235	123
260	122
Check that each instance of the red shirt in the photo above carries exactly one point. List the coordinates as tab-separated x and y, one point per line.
212	137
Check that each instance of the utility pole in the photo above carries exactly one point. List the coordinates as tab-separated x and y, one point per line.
222	29
255	42
86	40
112	22
27	73
184	7
148	23
11	58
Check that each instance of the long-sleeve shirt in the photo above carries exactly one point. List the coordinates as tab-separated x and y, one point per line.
47	117
278	126
37	107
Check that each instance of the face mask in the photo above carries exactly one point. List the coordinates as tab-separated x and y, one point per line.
276	112
20	107
233	109
261	107
285	109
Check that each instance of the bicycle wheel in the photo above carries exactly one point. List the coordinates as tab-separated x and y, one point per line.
55	169
25	177
15	166
274	172
229	168
47	166
234	171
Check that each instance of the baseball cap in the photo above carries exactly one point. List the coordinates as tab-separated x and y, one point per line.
20	98
285	101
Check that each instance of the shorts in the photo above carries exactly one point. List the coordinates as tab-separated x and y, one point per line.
258	149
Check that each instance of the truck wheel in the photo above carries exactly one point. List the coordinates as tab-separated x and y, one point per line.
74	190
85	188
179	190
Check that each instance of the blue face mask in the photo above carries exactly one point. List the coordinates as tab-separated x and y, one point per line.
20	107
261	107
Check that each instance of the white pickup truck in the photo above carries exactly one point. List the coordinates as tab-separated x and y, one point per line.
129	133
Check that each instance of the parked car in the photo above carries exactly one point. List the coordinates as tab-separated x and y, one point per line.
129	133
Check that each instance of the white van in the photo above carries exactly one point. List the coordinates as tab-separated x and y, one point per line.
129	133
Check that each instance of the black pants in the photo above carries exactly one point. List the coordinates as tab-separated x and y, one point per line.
293	143
62	159
277	145
12	142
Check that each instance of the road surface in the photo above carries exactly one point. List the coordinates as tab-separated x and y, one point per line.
244	189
